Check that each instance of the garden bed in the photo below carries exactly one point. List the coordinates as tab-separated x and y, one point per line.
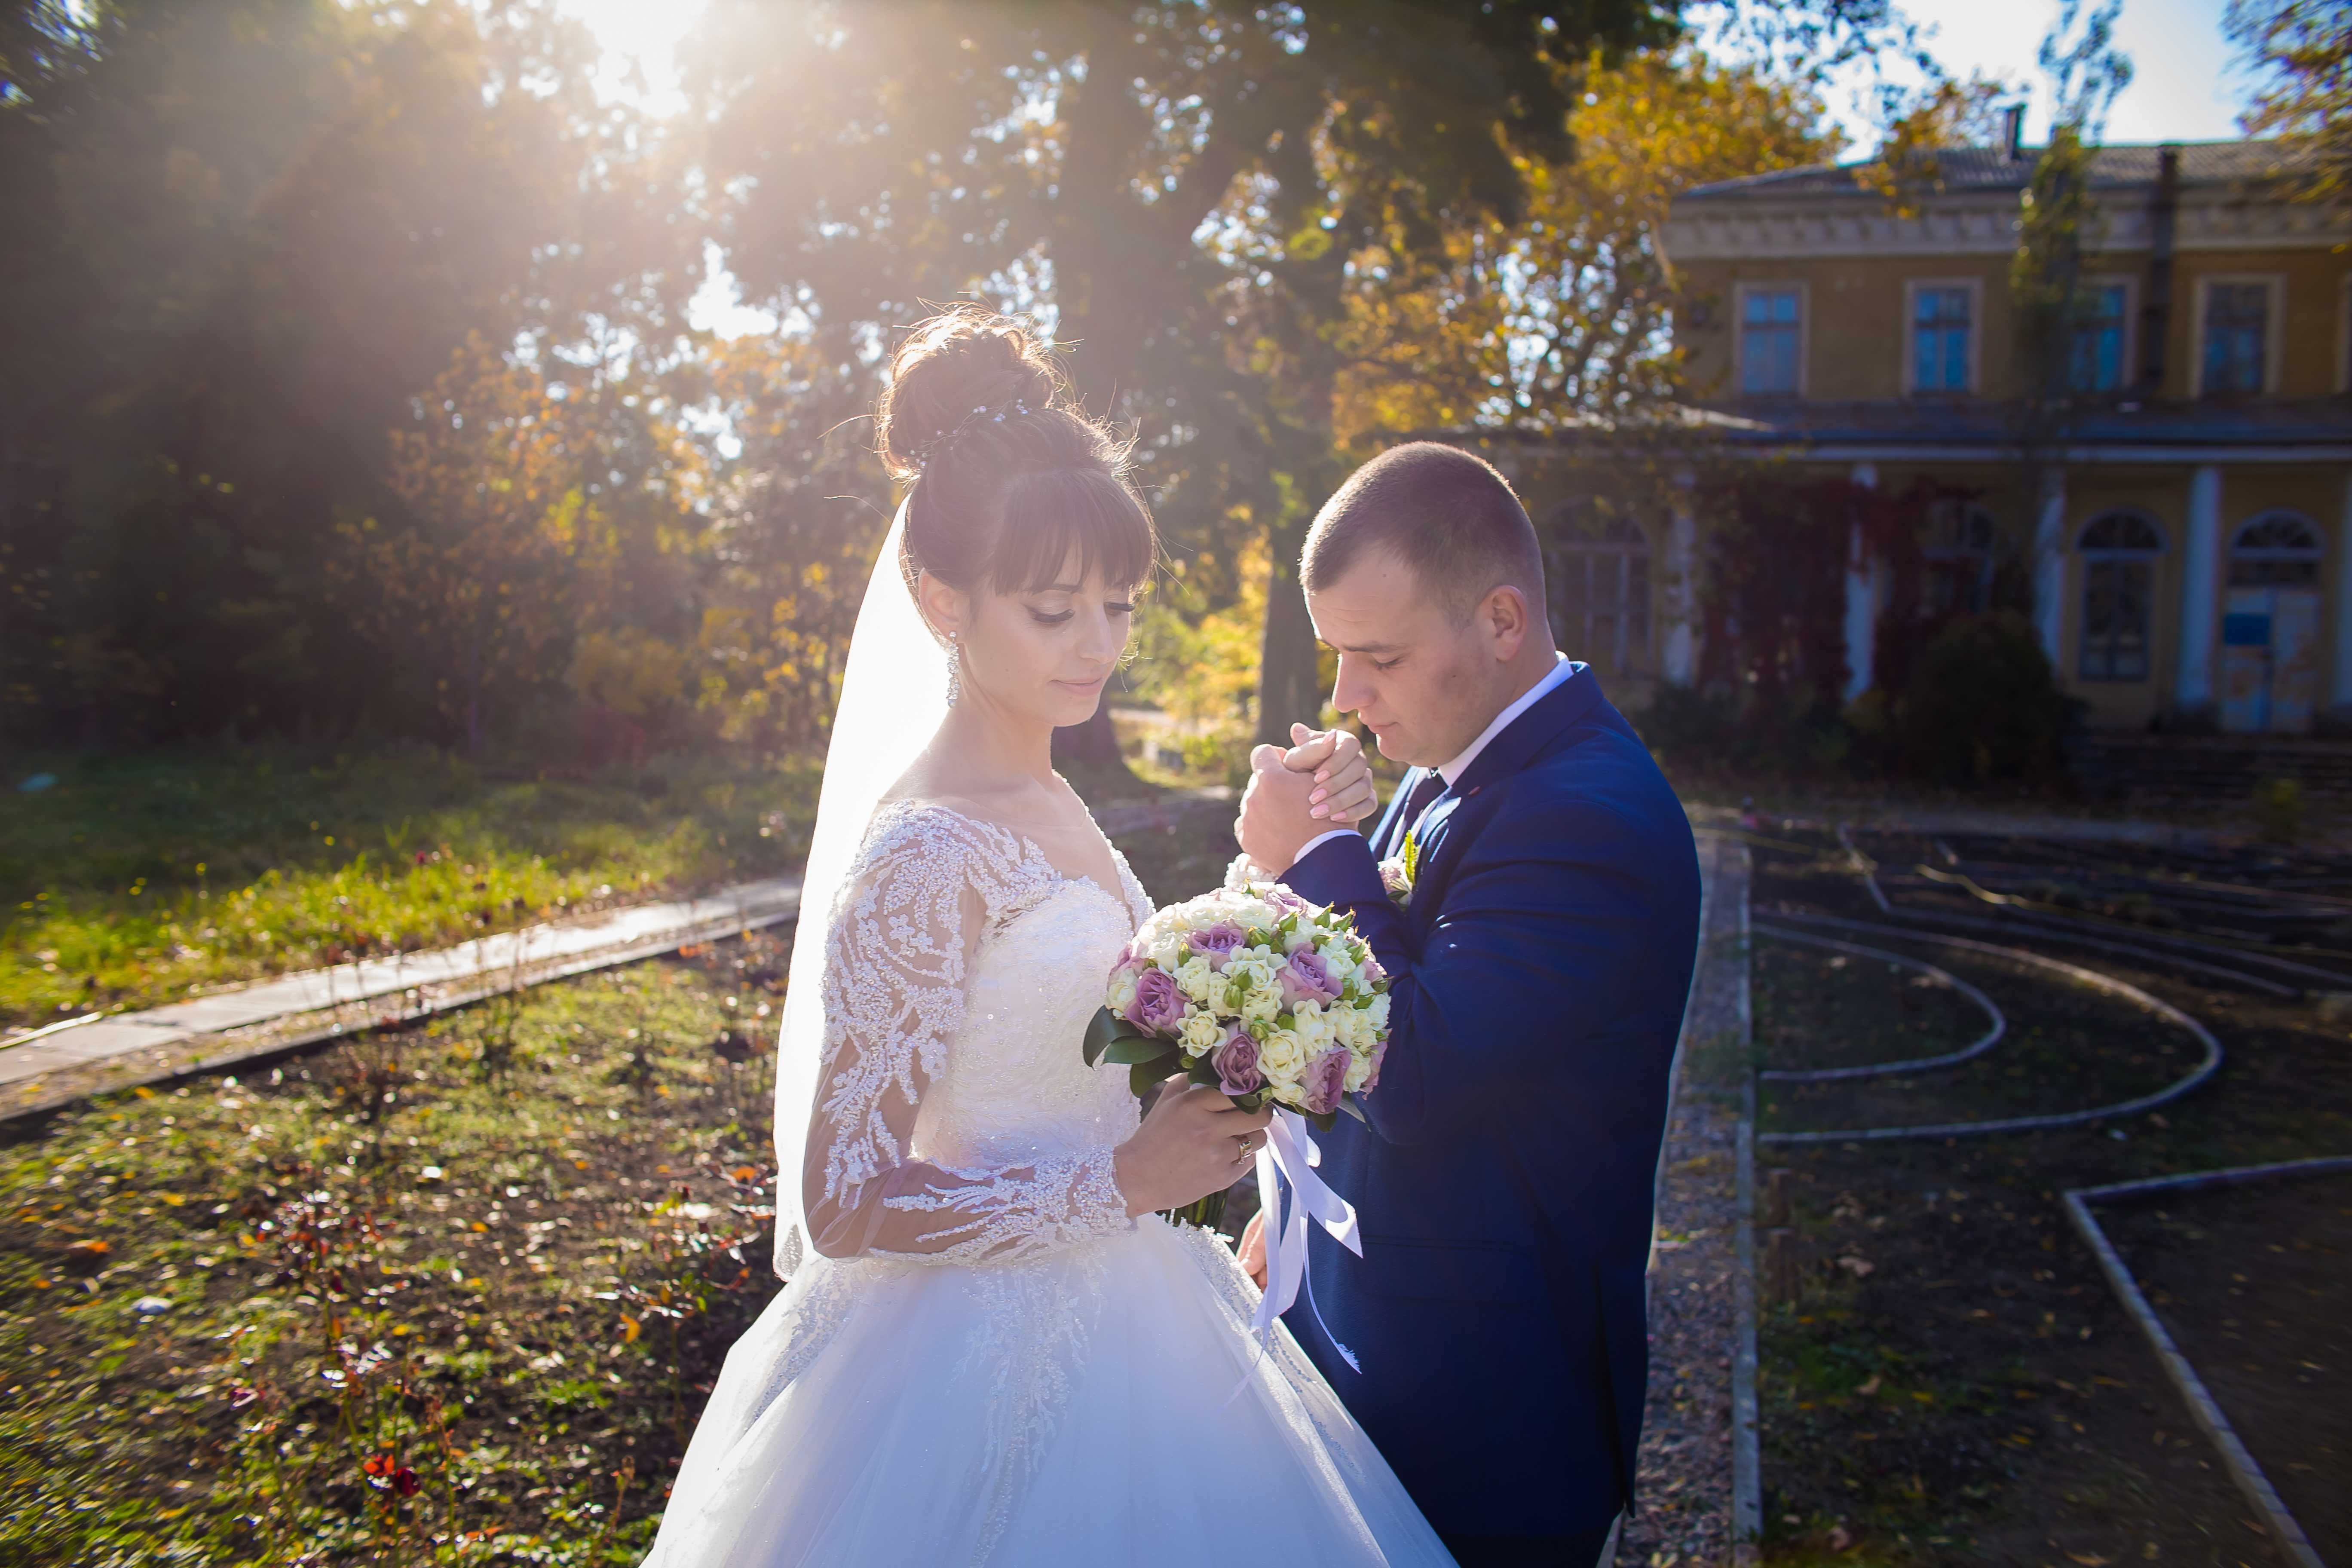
2250	1282
1955	1382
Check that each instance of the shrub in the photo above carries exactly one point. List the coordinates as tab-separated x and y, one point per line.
1982	704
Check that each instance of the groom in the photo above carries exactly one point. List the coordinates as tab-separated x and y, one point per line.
1539	971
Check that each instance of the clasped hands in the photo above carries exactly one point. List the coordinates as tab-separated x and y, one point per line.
1321	783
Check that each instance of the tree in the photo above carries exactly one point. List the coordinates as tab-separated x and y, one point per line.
792	532
1563	317
1181	187
243	236
2305	47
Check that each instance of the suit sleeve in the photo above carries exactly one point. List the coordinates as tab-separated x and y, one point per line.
1535	964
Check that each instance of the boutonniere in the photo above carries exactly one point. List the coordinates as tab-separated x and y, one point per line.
1396	873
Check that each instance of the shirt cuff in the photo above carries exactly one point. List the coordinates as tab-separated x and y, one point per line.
1317	842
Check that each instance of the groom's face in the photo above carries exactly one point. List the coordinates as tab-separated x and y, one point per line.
1424	685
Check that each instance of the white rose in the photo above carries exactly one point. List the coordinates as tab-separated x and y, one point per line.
1122	993
1194	977
1251	967
1256	912
1347	1026
1168	952
1377	1010
1200	1033
1359	1071
1312	1026
1281	1056
1301	936
1339	960
1261	1005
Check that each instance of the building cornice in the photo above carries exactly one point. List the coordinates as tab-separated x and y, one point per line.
1864	226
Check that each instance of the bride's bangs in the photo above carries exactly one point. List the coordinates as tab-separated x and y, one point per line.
1048	514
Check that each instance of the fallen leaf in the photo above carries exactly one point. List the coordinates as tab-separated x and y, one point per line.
1871	1386
1857	1265
2090	1559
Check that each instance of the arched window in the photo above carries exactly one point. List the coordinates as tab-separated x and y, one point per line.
2119	550
1601	591
1962	541
2275	549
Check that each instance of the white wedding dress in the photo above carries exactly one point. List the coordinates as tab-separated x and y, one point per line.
988	1362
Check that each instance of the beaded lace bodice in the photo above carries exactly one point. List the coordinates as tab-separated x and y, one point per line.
957	1120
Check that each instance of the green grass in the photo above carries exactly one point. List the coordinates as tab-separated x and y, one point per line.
135	882
446	1294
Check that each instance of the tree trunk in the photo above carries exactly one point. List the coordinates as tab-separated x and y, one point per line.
1093	745
1289	684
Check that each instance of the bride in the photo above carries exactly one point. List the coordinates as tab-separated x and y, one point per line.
990	1349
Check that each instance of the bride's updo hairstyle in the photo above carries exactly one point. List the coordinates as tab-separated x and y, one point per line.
1009	475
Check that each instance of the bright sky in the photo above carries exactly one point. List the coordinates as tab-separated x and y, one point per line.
2185	85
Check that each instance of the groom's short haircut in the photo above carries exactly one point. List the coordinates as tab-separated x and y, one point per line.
1445	513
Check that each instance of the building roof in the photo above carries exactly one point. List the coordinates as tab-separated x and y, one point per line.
1991	170
1968	430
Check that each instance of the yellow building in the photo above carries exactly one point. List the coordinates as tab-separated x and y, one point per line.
2187	548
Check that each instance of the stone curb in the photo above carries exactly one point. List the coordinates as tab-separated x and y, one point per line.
1991	1037
97	1054
1747	1430
2090	977
2241	1465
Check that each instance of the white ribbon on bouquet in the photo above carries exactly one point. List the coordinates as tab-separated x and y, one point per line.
1290	1155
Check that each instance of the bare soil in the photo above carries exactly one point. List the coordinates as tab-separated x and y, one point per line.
1956	1383
2249	1281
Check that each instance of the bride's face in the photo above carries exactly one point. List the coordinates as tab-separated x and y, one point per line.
1041	654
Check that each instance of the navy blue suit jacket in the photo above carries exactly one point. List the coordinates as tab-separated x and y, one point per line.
1506	1176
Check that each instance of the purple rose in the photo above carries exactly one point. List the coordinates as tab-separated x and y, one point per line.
1158	1005
1372	1078
1307	978
1327	1080
1217	943
1283	898
1373	974
1235	1061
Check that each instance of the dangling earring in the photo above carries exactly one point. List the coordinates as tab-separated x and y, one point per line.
955	669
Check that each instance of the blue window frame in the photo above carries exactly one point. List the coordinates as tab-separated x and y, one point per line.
1940	323
1769	322
2097	362
2237	337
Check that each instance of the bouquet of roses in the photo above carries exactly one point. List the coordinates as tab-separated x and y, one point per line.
1253	991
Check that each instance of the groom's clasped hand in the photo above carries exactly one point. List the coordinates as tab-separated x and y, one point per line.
1320	783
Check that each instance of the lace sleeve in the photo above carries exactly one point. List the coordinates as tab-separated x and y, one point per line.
902	944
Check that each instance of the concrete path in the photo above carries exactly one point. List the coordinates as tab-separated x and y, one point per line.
75	1058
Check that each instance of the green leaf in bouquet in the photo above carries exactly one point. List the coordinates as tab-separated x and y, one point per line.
1201	1072
1324	1120
1141	1076
1129	1050
1104	1029
1347	1103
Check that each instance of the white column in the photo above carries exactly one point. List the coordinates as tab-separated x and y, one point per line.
2340	687
2200	590
1679	661
2050	565
1860	598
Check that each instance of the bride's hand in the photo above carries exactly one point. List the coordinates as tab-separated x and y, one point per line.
1195	1142
1250	1251
1343	789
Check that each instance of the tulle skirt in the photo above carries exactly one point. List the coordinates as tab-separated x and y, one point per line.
1103	1405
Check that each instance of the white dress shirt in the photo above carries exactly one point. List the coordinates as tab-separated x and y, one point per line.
1452	772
